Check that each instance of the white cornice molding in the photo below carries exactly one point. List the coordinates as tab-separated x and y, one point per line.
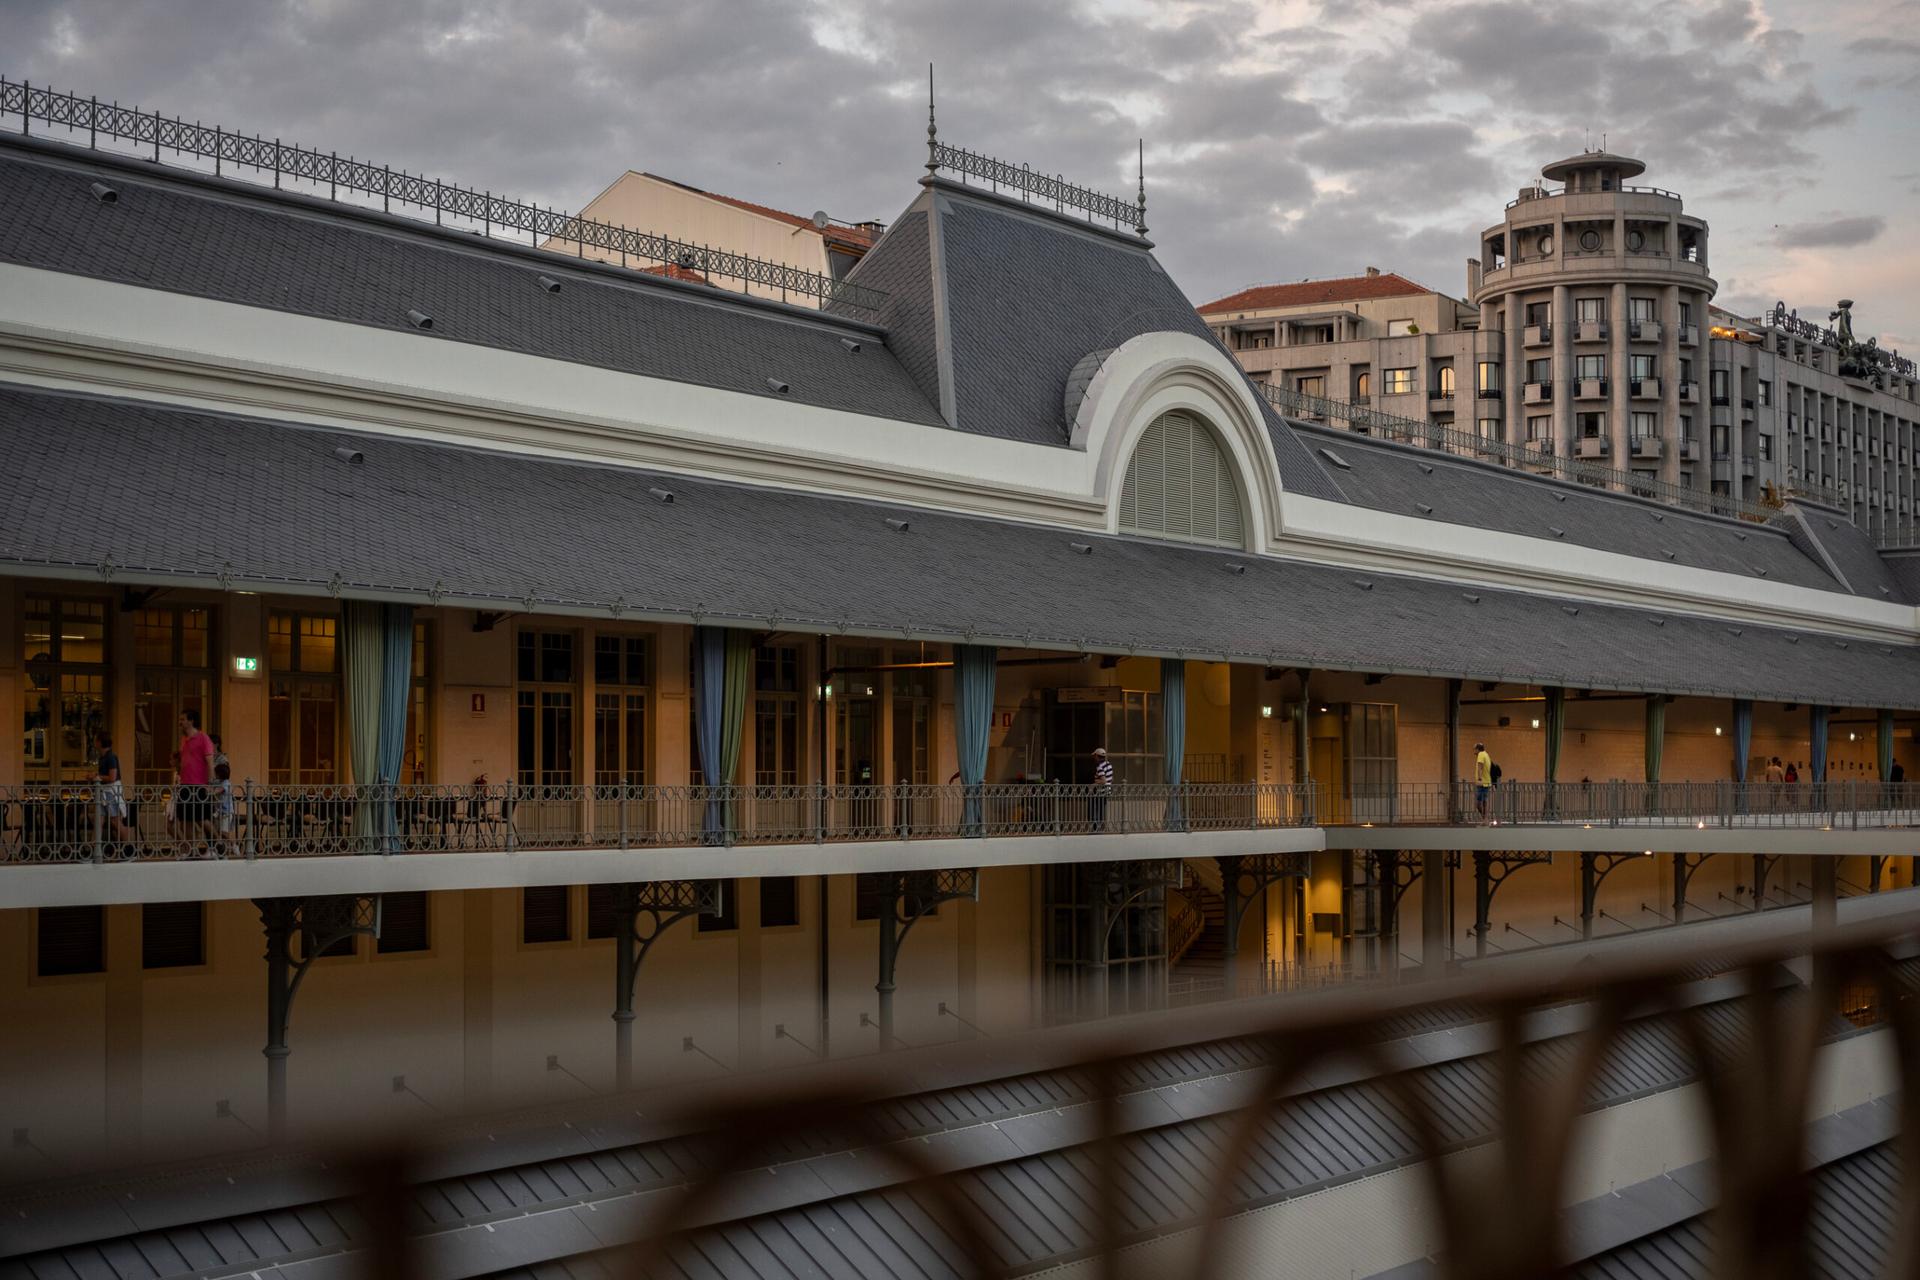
71	333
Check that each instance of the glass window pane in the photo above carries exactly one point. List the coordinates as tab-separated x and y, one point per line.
196	638
83	631
317	644
153	637
606	659
280	642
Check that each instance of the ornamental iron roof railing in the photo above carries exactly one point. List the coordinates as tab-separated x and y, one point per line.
1388	426
1039	188
111	122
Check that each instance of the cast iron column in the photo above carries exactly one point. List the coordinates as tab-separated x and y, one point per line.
1230	943
889	953
624	980
1433	913
276	918
1482	901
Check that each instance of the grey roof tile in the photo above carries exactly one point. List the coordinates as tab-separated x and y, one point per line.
1399	478
242	244
428	520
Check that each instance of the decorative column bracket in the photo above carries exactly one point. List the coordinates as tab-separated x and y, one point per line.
645	911
911	897
1594	870
1684	865
1490	871
319	923
1762	867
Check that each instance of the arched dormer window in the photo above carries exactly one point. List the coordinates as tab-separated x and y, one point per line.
1180	484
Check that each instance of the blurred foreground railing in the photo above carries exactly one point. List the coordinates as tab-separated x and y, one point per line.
104	824
1749	1023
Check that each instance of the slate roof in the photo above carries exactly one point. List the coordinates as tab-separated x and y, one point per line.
1834	540
238	243
1260	297
1401	478
430	522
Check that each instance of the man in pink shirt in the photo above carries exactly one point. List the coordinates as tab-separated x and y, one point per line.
192	807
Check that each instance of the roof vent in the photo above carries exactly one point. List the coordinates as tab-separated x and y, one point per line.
1470	597
1671	555
1559	497
1741	536
1658	622
1363	584
1886	591
1661	516
777	387
1335	459
1735	631
1760	570
1558	532
1424	509
1426	468
548	283
1081	548
661	495
1831	524
1571	610
352	457
419	319
1236	568
104	193
1839	644
853	348
897	525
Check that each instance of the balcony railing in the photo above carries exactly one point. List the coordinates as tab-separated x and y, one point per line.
92	824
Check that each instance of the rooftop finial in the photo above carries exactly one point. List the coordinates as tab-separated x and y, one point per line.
1140	218
933	161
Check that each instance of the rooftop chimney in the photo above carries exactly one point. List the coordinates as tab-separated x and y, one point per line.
1373	271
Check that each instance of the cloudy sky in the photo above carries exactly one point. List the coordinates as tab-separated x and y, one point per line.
1285	139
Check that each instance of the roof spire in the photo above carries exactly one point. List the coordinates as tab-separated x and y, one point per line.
1140	204
933	158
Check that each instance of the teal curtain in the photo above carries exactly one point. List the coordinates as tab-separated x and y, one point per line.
1883	744
363	652
735	681
974	671
1817	745
1173	712
396	692
1742	737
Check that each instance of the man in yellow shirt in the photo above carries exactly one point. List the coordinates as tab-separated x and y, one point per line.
1482	777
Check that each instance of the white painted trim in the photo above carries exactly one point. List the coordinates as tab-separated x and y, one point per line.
82	884
1572	838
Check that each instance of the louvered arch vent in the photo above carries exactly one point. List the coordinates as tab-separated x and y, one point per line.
1180	484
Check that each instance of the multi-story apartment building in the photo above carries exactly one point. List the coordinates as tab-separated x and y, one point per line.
1588	336
568	627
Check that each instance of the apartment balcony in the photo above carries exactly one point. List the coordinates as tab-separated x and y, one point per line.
1687	449
1592	447
1644	388
1541	448
1488	393
1440	402
1537	335
1538	393
1643	330
1649	447
1689	335
1590	389
1689	393
1590	331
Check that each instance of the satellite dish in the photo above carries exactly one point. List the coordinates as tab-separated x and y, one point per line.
821	220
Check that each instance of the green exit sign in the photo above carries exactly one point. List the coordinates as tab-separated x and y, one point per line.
246	666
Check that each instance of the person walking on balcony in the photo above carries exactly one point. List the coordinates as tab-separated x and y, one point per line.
191	804
1776	781
1102	787
113	791
1482	778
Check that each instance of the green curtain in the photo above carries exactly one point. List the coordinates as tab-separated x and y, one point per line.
1556	730
363	652
1656	734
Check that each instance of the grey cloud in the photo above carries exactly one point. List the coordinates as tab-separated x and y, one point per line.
1837	232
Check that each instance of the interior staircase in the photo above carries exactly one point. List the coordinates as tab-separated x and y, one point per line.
1197	963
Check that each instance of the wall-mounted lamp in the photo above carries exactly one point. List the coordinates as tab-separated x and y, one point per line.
1266	713
1536	722
1716	731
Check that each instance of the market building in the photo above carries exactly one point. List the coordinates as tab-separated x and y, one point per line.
565	621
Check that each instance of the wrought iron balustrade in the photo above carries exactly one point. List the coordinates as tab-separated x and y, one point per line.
83	823
227	149
1041	188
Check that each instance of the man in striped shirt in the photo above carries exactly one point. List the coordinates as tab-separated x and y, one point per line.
1102	786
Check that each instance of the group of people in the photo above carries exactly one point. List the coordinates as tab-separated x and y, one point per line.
199	803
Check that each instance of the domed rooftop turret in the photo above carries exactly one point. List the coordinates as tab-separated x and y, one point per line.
1618	167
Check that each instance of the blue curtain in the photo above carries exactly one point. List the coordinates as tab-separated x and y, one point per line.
396	693
973	666
1173	710
1742	737
1817	745
710	718
1883	743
